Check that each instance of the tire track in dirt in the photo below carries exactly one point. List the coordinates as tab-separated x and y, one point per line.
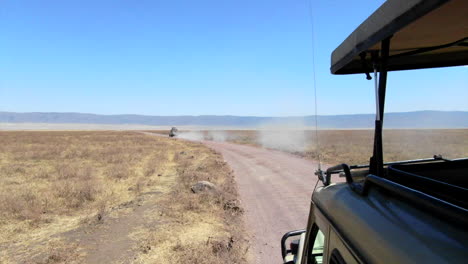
275	189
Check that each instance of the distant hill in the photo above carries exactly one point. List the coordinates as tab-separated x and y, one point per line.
418	119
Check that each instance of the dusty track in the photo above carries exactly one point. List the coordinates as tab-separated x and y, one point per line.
275	190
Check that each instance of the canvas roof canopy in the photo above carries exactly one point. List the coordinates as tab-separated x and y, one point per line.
424	34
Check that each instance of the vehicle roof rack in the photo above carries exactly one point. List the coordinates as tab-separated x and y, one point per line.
440	186
447	181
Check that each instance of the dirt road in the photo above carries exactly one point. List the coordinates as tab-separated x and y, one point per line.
275	190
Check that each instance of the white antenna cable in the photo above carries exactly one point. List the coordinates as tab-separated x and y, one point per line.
311	20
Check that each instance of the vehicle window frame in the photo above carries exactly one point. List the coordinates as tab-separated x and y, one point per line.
311	258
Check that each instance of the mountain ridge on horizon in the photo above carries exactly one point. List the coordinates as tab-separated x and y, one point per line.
414	119
262	116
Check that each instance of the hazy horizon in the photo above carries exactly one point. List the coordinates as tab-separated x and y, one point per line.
418	119
230	115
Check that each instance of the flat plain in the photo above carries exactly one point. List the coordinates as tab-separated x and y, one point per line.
114	197
125	196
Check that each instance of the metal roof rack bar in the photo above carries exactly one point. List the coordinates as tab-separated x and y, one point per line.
454	213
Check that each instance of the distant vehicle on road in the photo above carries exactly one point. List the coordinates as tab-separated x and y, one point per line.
173	132
413	211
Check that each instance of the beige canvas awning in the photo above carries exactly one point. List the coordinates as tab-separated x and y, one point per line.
416	26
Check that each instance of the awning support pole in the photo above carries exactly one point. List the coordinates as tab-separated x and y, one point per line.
376	161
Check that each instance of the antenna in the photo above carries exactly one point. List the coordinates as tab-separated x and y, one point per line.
319	171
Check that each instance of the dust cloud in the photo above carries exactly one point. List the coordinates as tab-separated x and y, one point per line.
214	135
290	136
191	135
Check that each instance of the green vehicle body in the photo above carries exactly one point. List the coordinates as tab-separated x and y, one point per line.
390	223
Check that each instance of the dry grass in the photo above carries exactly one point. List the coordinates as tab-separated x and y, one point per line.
45	175
355	146
193	232
52	182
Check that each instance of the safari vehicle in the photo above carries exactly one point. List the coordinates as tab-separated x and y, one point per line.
173	132
412	211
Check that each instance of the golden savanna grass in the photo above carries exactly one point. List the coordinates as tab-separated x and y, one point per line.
45	175
355	146
195	233
54	182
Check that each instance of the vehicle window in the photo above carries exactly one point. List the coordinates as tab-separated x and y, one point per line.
317	247
336	258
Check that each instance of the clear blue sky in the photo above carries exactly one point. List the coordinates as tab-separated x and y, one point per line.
238	57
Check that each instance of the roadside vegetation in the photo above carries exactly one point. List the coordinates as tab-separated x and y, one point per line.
355	146
61	190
